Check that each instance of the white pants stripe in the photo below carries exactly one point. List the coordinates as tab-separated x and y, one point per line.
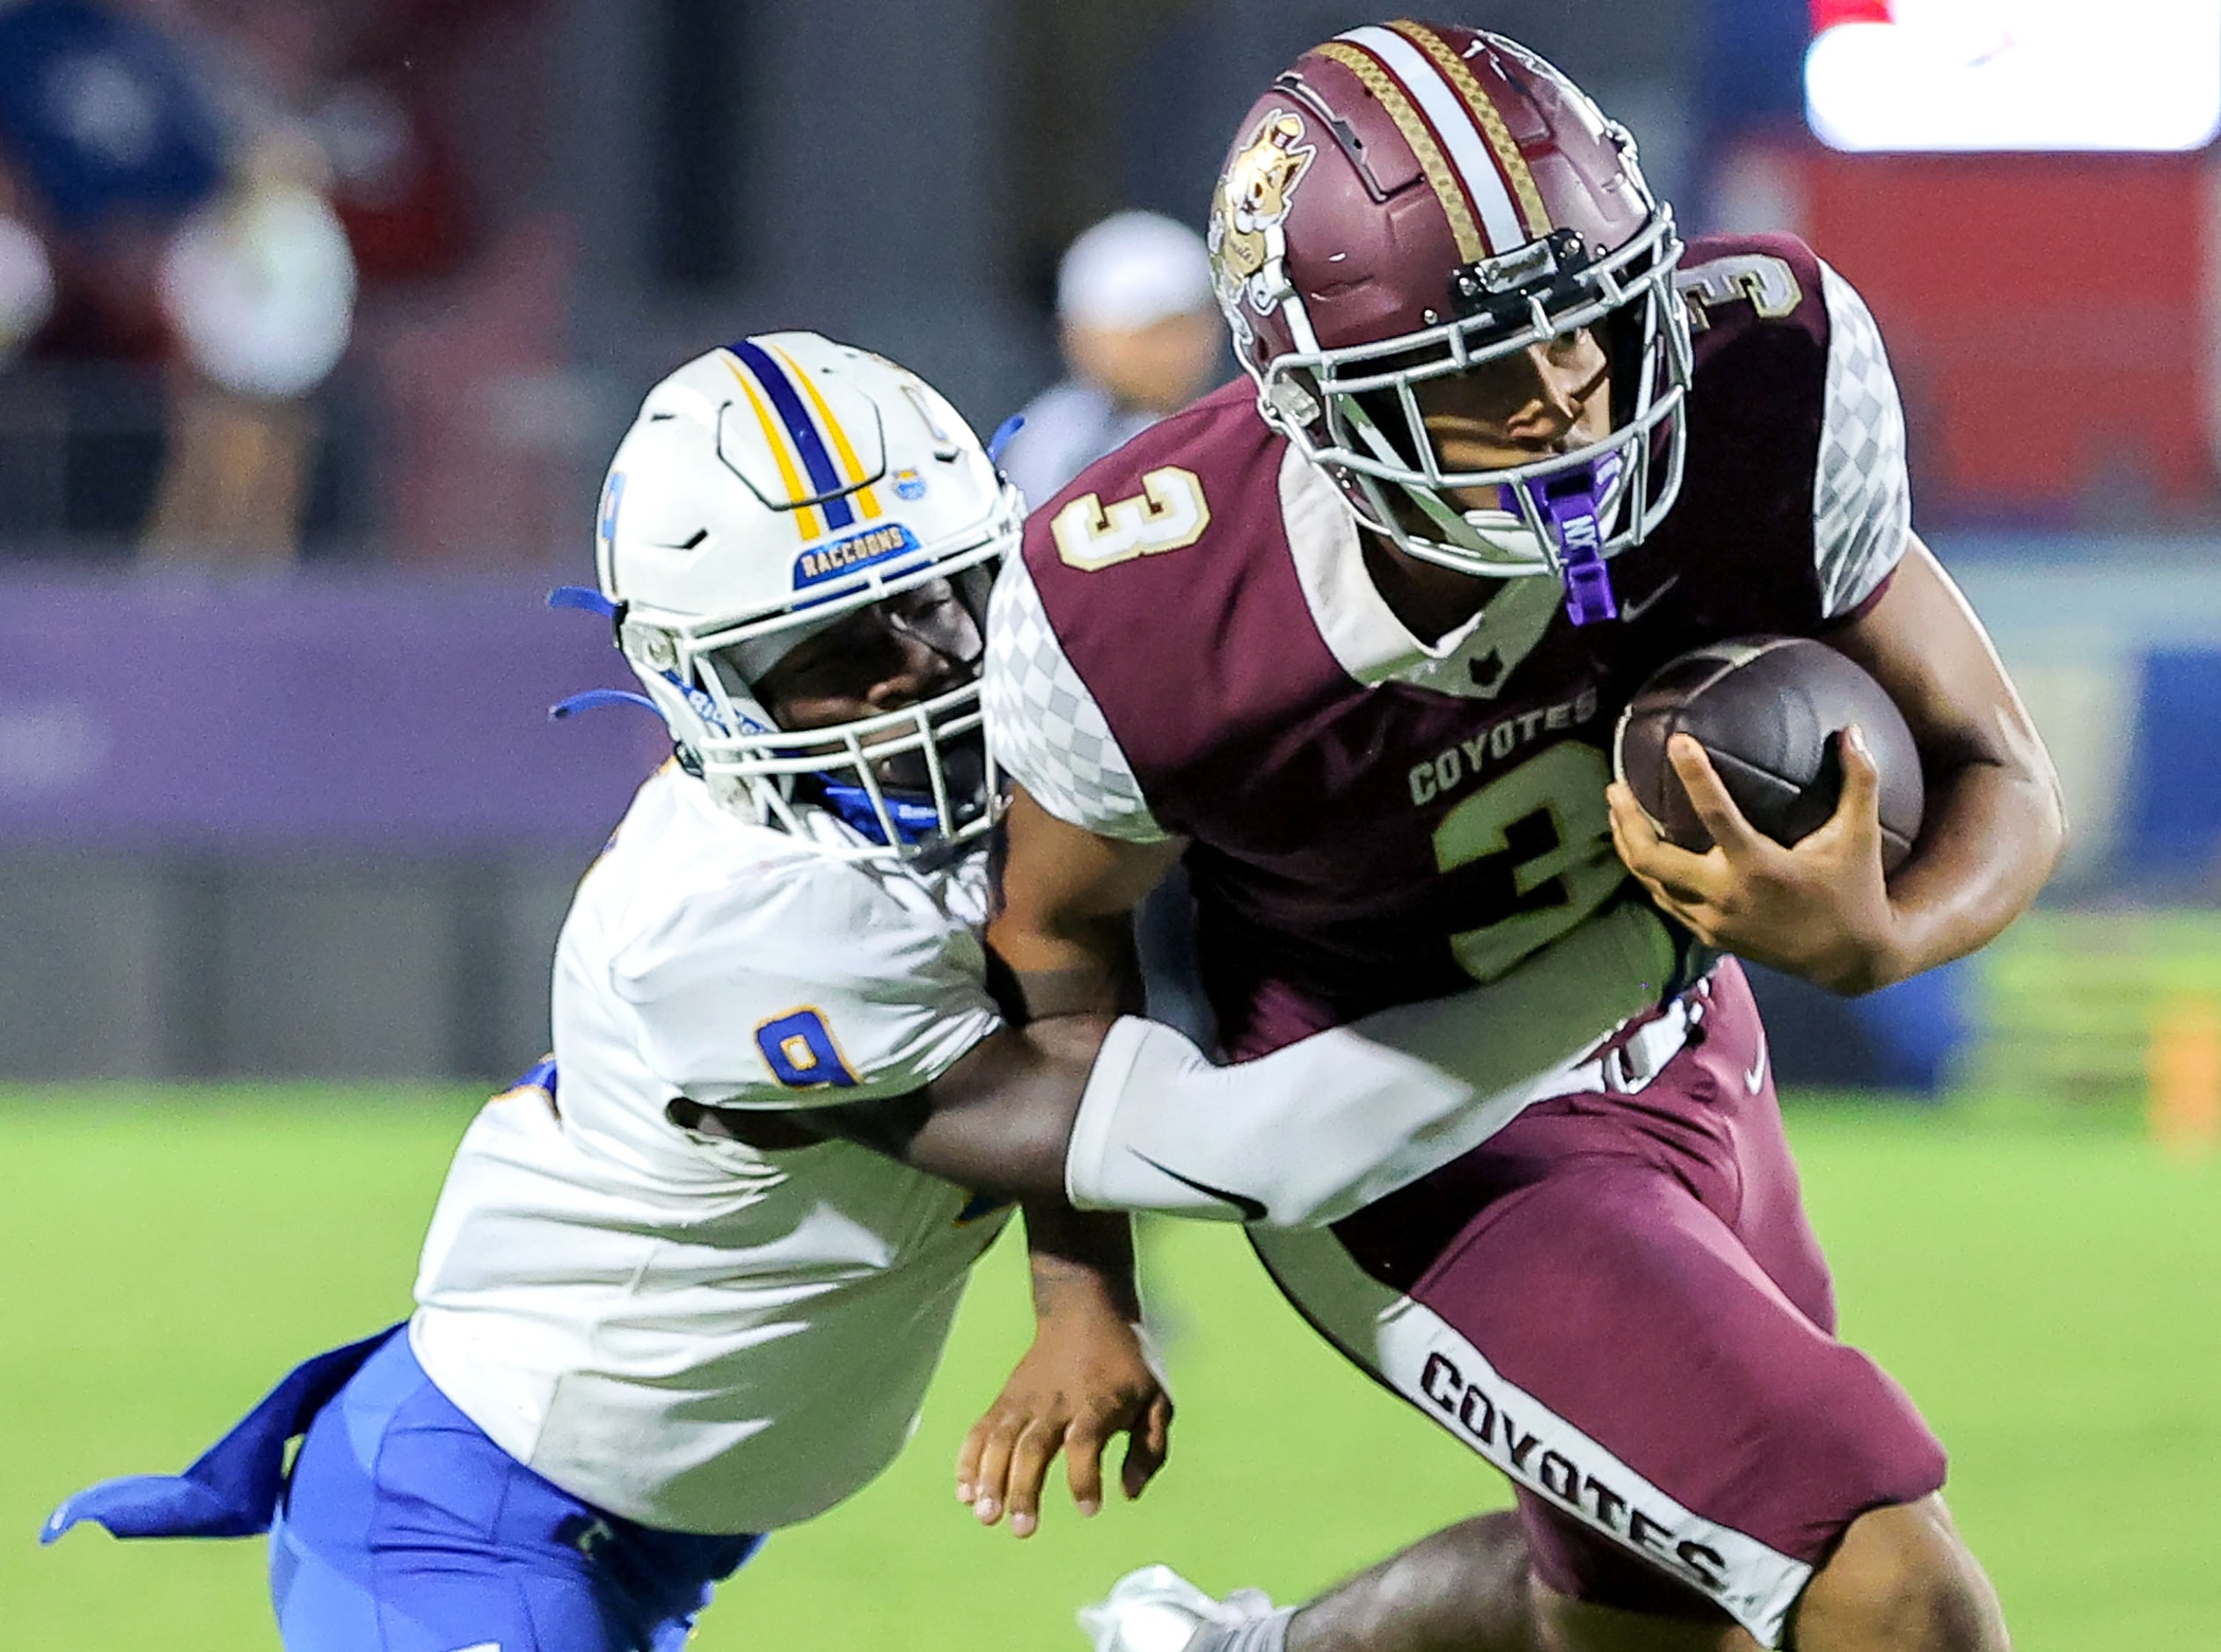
1422	1356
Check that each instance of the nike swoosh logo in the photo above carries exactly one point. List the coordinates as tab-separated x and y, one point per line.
1755	1080
1633	611
1252	1210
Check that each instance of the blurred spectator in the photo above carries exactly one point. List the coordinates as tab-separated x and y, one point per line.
185	213
259	290
26	285
1141	338
103	120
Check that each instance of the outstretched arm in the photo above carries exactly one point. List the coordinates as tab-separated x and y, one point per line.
1087	1377
998	1122
1061	942
1128	1115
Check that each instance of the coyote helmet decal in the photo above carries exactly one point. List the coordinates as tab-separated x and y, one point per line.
1251	203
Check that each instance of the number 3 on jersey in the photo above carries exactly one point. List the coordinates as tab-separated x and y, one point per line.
1532	855
1765	282
1167	514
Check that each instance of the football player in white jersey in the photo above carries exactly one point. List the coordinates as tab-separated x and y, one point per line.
640	1343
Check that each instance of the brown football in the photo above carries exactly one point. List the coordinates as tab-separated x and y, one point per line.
1768	711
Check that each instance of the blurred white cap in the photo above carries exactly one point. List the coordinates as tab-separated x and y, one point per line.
27	284
1131	271
261	290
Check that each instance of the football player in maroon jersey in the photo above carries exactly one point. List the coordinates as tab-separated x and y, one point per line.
1348	637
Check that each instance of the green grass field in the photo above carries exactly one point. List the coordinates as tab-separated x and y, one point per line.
2050	1294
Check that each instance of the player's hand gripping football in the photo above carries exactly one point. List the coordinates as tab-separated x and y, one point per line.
1819	910
1086	1379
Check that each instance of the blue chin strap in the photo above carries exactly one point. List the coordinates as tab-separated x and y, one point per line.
594	699
914	822
586	600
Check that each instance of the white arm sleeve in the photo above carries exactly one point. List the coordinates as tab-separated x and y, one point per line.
817	987
1045	727
1861	494
1310	1133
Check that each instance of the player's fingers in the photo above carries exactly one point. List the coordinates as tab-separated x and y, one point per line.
1035	1450
968	1459
1634	837
991	1473
1701	921
1084	1443
1708	796
1691	912
1658	892
1668	870
1859	807
1655	861
1146	1448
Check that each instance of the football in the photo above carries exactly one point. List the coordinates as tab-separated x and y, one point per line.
1768	711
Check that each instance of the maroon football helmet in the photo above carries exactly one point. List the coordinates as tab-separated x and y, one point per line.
1412	200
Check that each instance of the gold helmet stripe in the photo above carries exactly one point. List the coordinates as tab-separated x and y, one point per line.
1432	161
809	522
1491	121
851	470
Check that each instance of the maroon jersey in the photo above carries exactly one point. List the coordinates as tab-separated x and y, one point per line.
1191	646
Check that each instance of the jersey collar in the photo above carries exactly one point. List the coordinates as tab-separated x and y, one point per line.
1355	622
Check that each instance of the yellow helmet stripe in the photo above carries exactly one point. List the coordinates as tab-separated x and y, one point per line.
1432	162
807	520
1516	172
868	497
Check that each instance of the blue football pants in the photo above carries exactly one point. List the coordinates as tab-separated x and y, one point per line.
405	1529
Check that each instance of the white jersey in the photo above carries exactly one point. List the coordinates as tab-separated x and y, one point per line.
679	1329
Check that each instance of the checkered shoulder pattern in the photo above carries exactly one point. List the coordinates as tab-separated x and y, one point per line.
1861	496
1044	727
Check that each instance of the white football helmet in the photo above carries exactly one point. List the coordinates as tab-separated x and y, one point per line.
767	490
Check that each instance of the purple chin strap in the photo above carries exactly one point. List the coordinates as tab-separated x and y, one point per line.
1572	503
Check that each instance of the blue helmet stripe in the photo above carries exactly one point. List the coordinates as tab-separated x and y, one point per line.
826	479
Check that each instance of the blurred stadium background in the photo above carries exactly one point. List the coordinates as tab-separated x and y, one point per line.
318	321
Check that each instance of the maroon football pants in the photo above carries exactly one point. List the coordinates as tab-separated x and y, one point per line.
1617	1301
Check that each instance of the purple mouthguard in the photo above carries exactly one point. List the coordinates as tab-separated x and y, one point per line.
1571	504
